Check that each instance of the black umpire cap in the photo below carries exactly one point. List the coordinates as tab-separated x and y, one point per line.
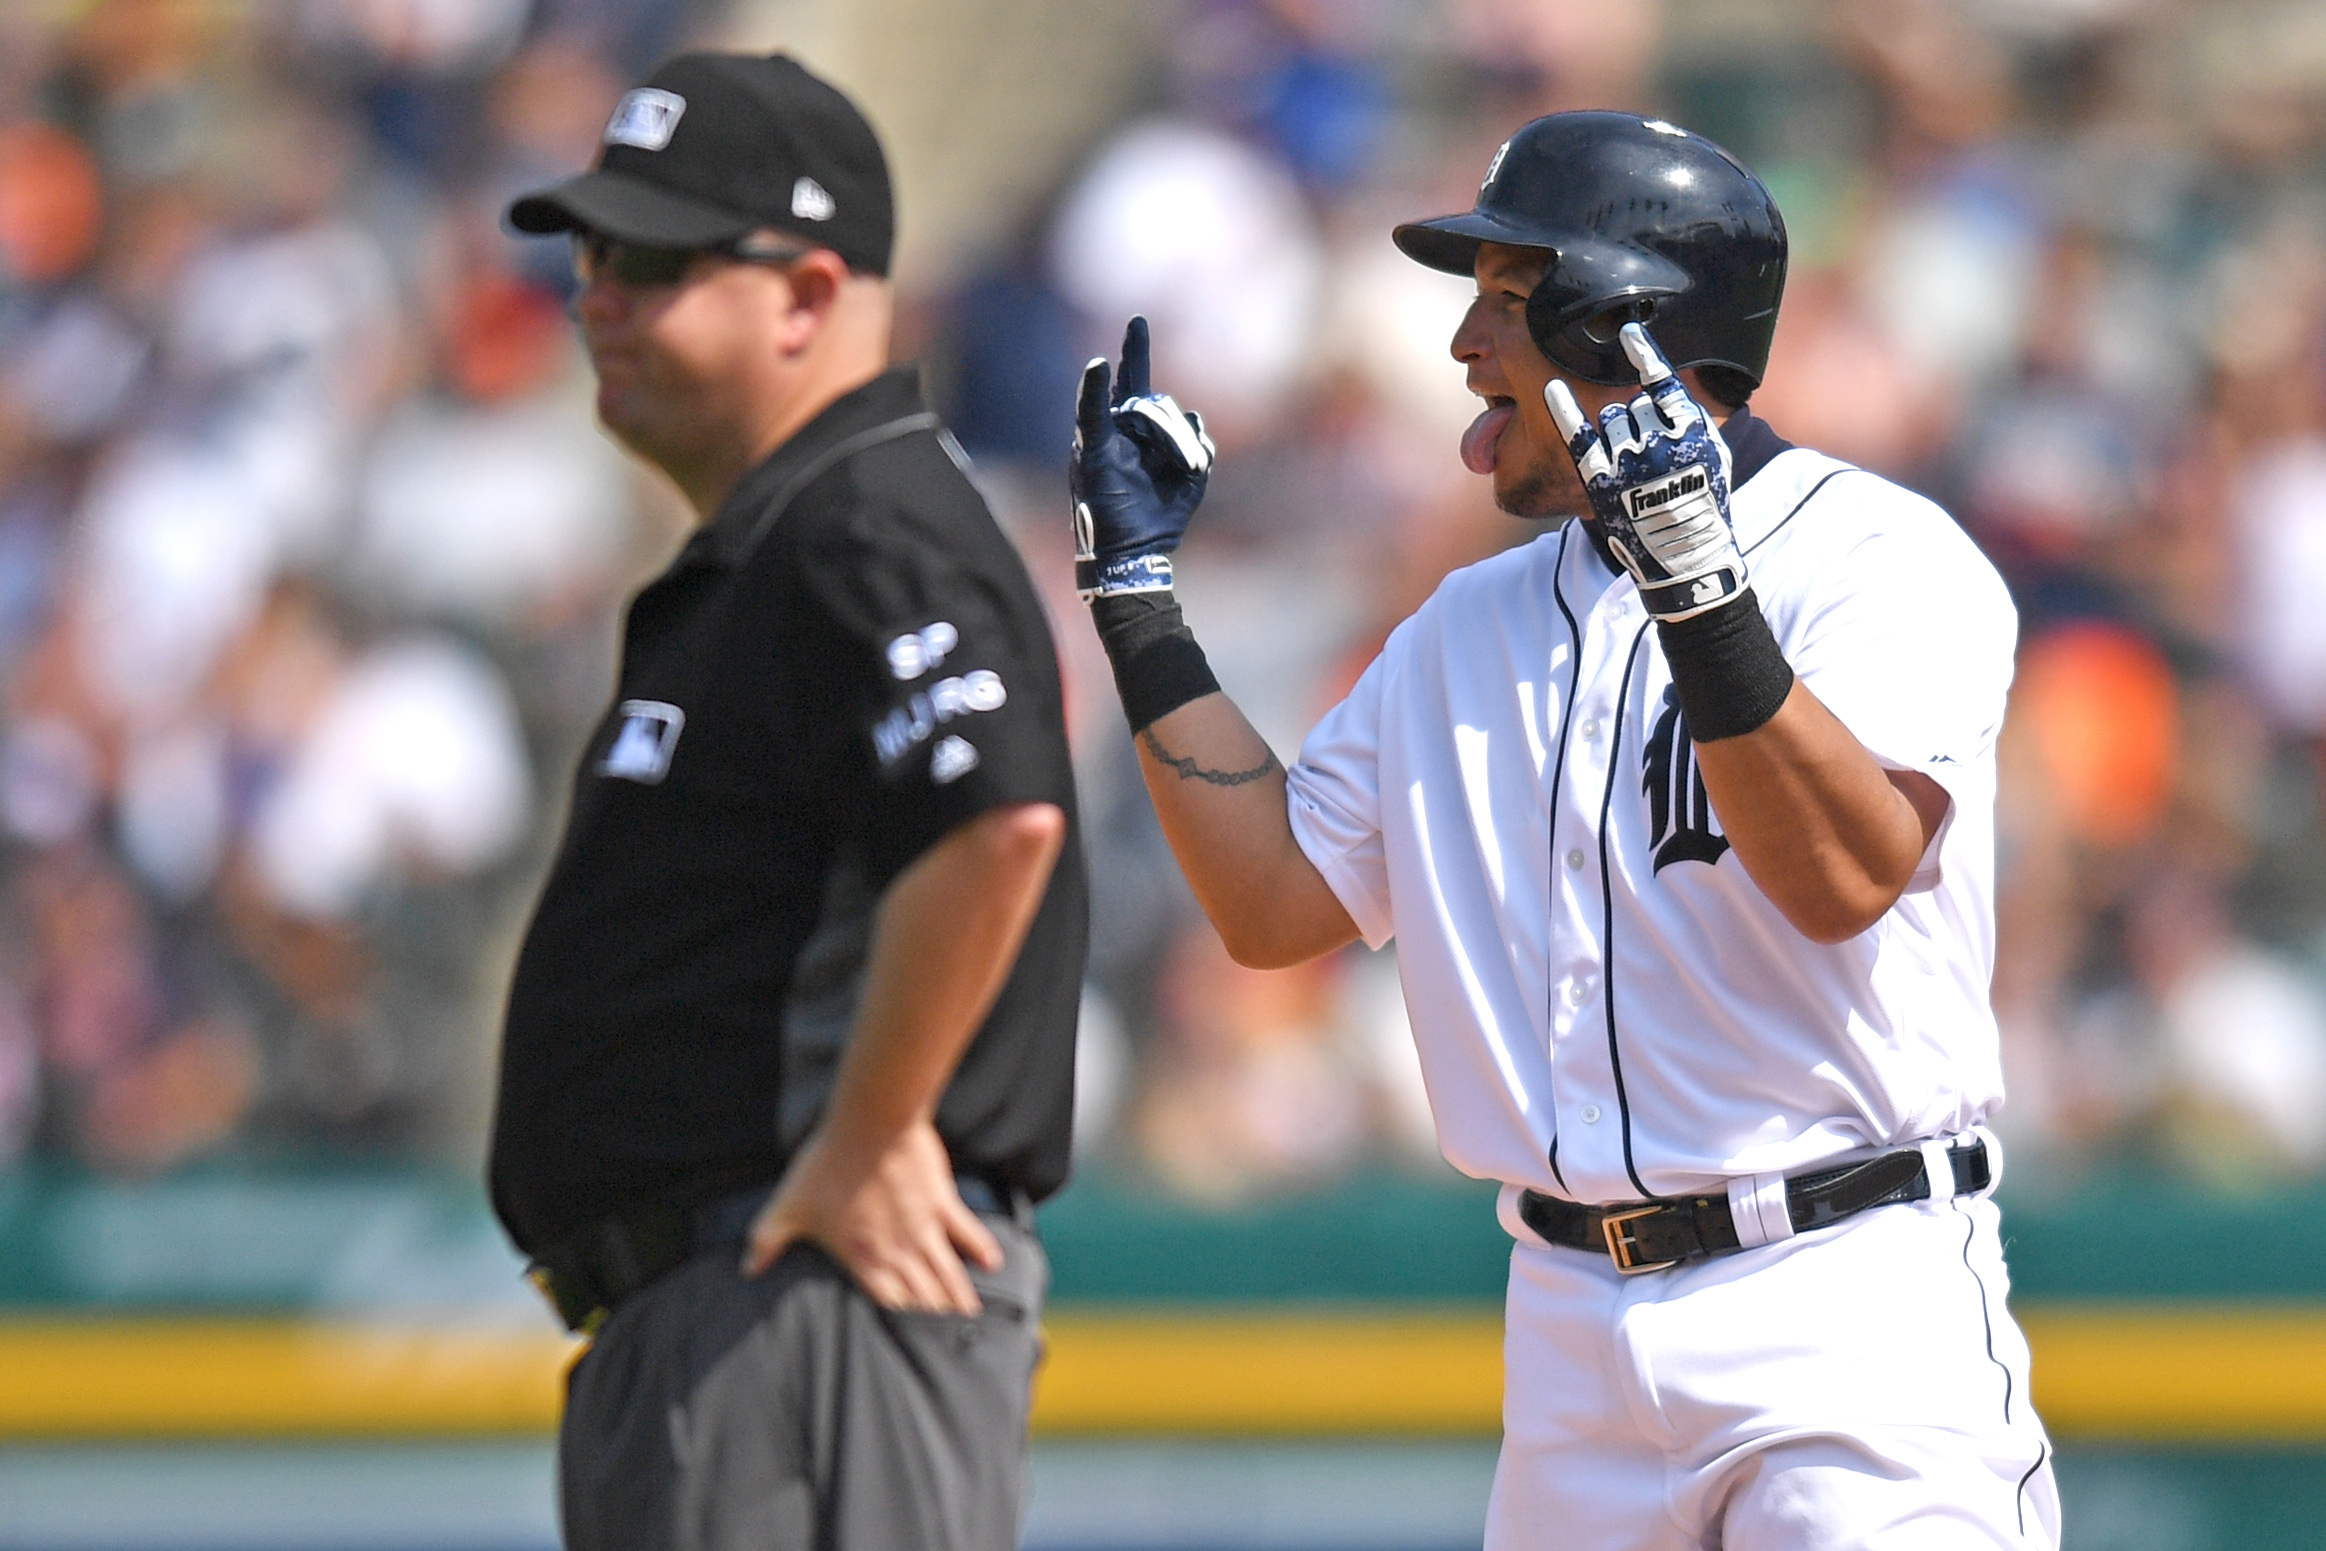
716	146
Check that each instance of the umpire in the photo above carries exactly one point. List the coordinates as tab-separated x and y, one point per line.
789	1049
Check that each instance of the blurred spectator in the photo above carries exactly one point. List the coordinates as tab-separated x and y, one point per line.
50	204
2099	704
1535	59
412	764
253	796
1212	241
2240	1036
1251	1086
487	497
1306	78
2278	521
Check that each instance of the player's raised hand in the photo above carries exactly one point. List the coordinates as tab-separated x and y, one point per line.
1656	471
1138	473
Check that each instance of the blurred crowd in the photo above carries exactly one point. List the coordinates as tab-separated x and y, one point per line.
310	552
306	548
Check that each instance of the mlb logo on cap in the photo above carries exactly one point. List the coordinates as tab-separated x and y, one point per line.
645	119
641	750
713	147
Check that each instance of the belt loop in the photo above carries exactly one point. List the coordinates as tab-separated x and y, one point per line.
1508	1211
1938	1167
1994	1146
1757	1205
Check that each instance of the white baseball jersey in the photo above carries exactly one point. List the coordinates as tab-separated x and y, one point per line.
1606	1006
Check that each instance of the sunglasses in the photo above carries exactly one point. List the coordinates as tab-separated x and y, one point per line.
599	257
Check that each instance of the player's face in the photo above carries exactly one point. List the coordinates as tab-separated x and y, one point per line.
675	360
1514	438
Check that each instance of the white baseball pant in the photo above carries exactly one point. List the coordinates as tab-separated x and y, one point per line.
1858	1388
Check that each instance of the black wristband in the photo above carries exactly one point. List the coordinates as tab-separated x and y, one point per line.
1727	669
1158	667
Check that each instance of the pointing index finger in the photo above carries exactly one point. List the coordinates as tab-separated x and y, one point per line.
1665	389
1132	381
1645	357
1590	457
1566	414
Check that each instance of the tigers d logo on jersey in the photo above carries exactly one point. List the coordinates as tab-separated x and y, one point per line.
1679	809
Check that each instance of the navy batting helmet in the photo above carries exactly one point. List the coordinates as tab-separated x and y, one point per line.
1645	222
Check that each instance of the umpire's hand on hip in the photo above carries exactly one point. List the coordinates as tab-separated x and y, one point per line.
1138	473
895	1220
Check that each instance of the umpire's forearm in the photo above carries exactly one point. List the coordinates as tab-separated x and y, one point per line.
943	940
1219	792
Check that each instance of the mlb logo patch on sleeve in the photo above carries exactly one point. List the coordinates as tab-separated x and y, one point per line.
643	744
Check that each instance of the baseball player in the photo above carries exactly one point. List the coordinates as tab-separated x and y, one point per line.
1682	818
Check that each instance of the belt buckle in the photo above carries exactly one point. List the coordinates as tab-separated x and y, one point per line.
1622	1247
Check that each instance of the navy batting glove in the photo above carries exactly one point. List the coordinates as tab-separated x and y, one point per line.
1656	471
1138	473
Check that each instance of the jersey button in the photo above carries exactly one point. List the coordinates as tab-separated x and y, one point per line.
1590	729
1591	1114
1575	861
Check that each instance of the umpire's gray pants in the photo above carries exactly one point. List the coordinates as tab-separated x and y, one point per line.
789	1412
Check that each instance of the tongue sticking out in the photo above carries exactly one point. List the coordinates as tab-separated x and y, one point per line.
1478	442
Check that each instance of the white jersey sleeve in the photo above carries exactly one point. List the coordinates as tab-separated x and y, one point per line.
1333	797
1907	637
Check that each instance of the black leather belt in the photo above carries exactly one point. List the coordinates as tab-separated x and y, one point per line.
1652	1235
586	1274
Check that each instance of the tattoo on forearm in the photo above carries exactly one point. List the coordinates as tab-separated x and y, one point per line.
1189	770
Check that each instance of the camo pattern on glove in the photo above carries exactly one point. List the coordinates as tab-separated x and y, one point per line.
1656	472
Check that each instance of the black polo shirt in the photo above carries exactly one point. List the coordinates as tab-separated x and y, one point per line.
843	665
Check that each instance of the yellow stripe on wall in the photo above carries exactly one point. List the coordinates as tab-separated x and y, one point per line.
1272	1371
238	1378
2243	1373
2187	1374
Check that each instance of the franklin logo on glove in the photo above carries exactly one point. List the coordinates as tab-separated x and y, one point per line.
1649	500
